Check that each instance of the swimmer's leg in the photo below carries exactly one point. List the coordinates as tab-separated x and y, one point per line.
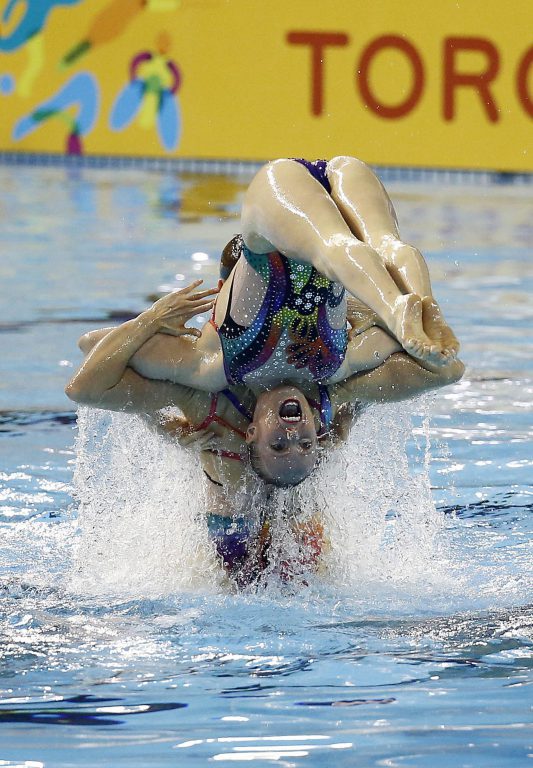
360	317
369	212
286	209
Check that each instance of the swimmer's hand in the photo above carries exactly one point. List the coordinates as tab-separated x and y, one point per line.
360	318
200	440
181	429
171	312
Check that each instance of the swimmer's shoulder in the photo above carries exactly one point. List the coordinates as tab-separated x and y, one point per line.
222	472
183	412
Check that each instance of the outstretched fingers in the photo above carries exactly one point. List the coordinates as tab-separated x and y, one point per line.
195	307
198	294
202	294
175	309
190	287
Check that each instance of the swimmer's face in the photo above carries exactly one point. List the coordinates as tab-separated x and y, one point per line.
283	437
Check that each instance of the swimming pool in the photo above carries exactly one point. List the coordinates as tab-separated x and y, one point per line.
415	650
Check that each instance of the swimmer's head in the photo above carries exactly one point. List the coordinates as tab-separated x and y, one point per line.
282	439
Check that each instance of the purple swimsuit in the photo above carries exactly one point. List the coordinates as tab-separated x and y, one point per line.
317	169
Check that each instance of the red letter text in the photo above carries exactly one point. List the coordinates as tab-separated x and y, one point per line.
403	108
479	81
317	41
521	81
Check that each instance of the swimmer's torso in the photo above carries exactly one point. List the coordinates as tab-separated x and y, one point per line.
280	320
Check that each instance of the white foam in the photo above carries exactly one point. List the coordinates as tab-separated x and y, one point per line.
141	510
143	527
142	507
380	514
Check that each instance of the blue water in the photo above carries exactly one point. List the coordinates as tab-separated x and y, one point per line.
119	644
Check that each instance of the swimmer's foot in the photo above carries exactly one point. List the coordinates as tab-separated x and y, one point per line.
437	328
409	330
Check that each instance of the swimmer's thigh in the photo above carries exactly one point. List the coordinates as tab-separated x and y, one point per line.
287	210
362	200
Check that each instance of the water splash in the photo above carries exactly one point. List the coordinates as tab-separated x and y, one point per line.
381	517
142	508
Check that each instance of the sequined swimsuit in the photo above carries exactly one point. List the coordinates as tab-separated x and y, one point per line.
297	301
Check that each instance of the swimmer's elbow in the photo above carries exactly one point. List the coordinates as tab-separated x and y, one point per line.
91	339
73	392
453	372
79	394
87	342
84	343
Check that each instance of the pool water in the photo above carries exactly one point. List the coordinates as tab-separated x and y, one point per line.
119	642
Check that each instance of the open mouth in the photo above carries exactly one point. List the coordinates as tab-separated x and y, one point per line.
290	410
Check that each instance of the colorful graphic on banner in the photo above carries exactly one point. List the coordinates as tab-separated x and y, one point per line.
149	95
30	24
80	92
437	85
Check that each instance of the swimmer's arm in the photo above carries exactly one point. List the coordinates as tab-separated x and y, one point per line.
365	352
147	399
91	338
174	359
398	378
107	361
194	363
134	394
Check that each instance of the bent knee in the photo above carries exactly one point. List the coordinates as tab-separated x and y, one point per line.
91	338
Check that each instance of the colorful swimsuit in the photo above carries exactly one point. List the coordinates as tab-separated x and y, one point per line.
297	301
242	546
245	549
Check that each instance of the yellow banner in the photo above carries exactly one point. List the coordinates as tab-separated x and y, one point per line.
446	84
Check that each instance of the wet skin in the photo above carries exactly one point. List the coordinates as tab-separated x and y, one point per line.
283	434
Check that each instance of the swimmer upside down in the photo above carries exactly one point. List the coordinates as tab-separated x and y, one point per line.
279	338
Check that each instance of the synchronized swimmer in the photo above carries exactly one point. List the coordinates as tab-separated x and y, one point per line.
278	373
